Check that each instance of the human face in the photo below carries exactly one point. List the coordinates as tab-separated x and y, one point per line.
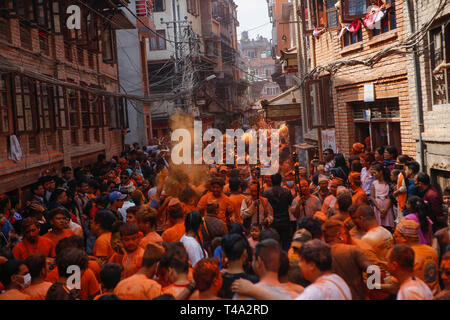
131	218
68	175
304	187
84	188
94	228
19	278
118	203
254	233
50	185
216	189
408	172
130	243
58	222
254	191
445	273
356	218
307	269
31	233
333	188
323	186
379	157
387	155
2	219
62	199
40	191
124	179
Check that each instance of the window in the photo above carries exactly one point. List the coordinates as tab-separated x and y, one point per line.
5	31
43	13
354	9
108	46
123	113
45	107
25	35
313	14
5	88
439	39
319	103
389	21
158	42
60	105
25	116
158	5
43	43
111	104
74	107
85	106
80	56
332	14
91	61
350	38
192	7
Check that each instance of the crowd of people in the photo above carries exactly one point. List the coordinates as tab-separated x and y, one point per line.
140	228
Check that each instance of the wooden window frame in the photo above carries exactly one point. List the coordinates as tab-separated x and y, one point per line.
5	109
314	13
327	11
44	92
192	7
346	18
159	39
85	107
325	101
112	106
30	125
163	2
444	57
5	31
108	44
347	34
60	105
73	97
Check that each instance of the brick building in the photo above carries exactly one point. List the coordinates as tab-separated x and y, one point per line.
52	82
341	101
429	92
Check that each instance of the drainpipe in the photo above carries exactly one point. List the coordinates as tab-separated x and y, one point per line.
418	78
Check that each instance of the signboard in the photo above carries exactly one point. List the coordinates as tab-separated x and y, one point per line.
329	140
369	95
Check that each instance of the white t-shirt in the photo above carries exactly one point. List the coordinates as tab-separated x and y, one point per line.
327	287
151	192
414	289
193	249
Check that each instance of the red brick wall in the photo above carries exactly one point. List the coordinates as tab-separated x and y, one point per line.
15	175
388	76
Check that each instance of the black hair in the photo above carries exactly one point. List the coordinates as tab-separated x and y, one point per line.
379	167
269	252
110	275
36	263
71	257
329	150
128	229
340	163
55	194
380	150
356	166
234	183
54	212
8	269
193	222
109	297
269	233
105	219
392	150
35	186
164	297
233	245
276	179
66	169
403	158
423	211
414	166
317	252
314	226
424	178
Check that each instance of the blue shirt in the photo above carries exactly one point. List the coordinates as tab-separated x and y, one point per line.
218	255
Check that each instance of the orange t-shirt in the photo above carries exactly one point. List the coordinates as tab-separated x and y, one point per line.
426	266
38	291
95	267
174	233
151	237
89	283
131	262
14	294
236	200
137	287
224	205
401	197
56	237
43	245
102	246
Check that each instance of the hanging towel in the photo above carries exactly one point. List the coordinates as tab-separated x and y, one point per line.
15	151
